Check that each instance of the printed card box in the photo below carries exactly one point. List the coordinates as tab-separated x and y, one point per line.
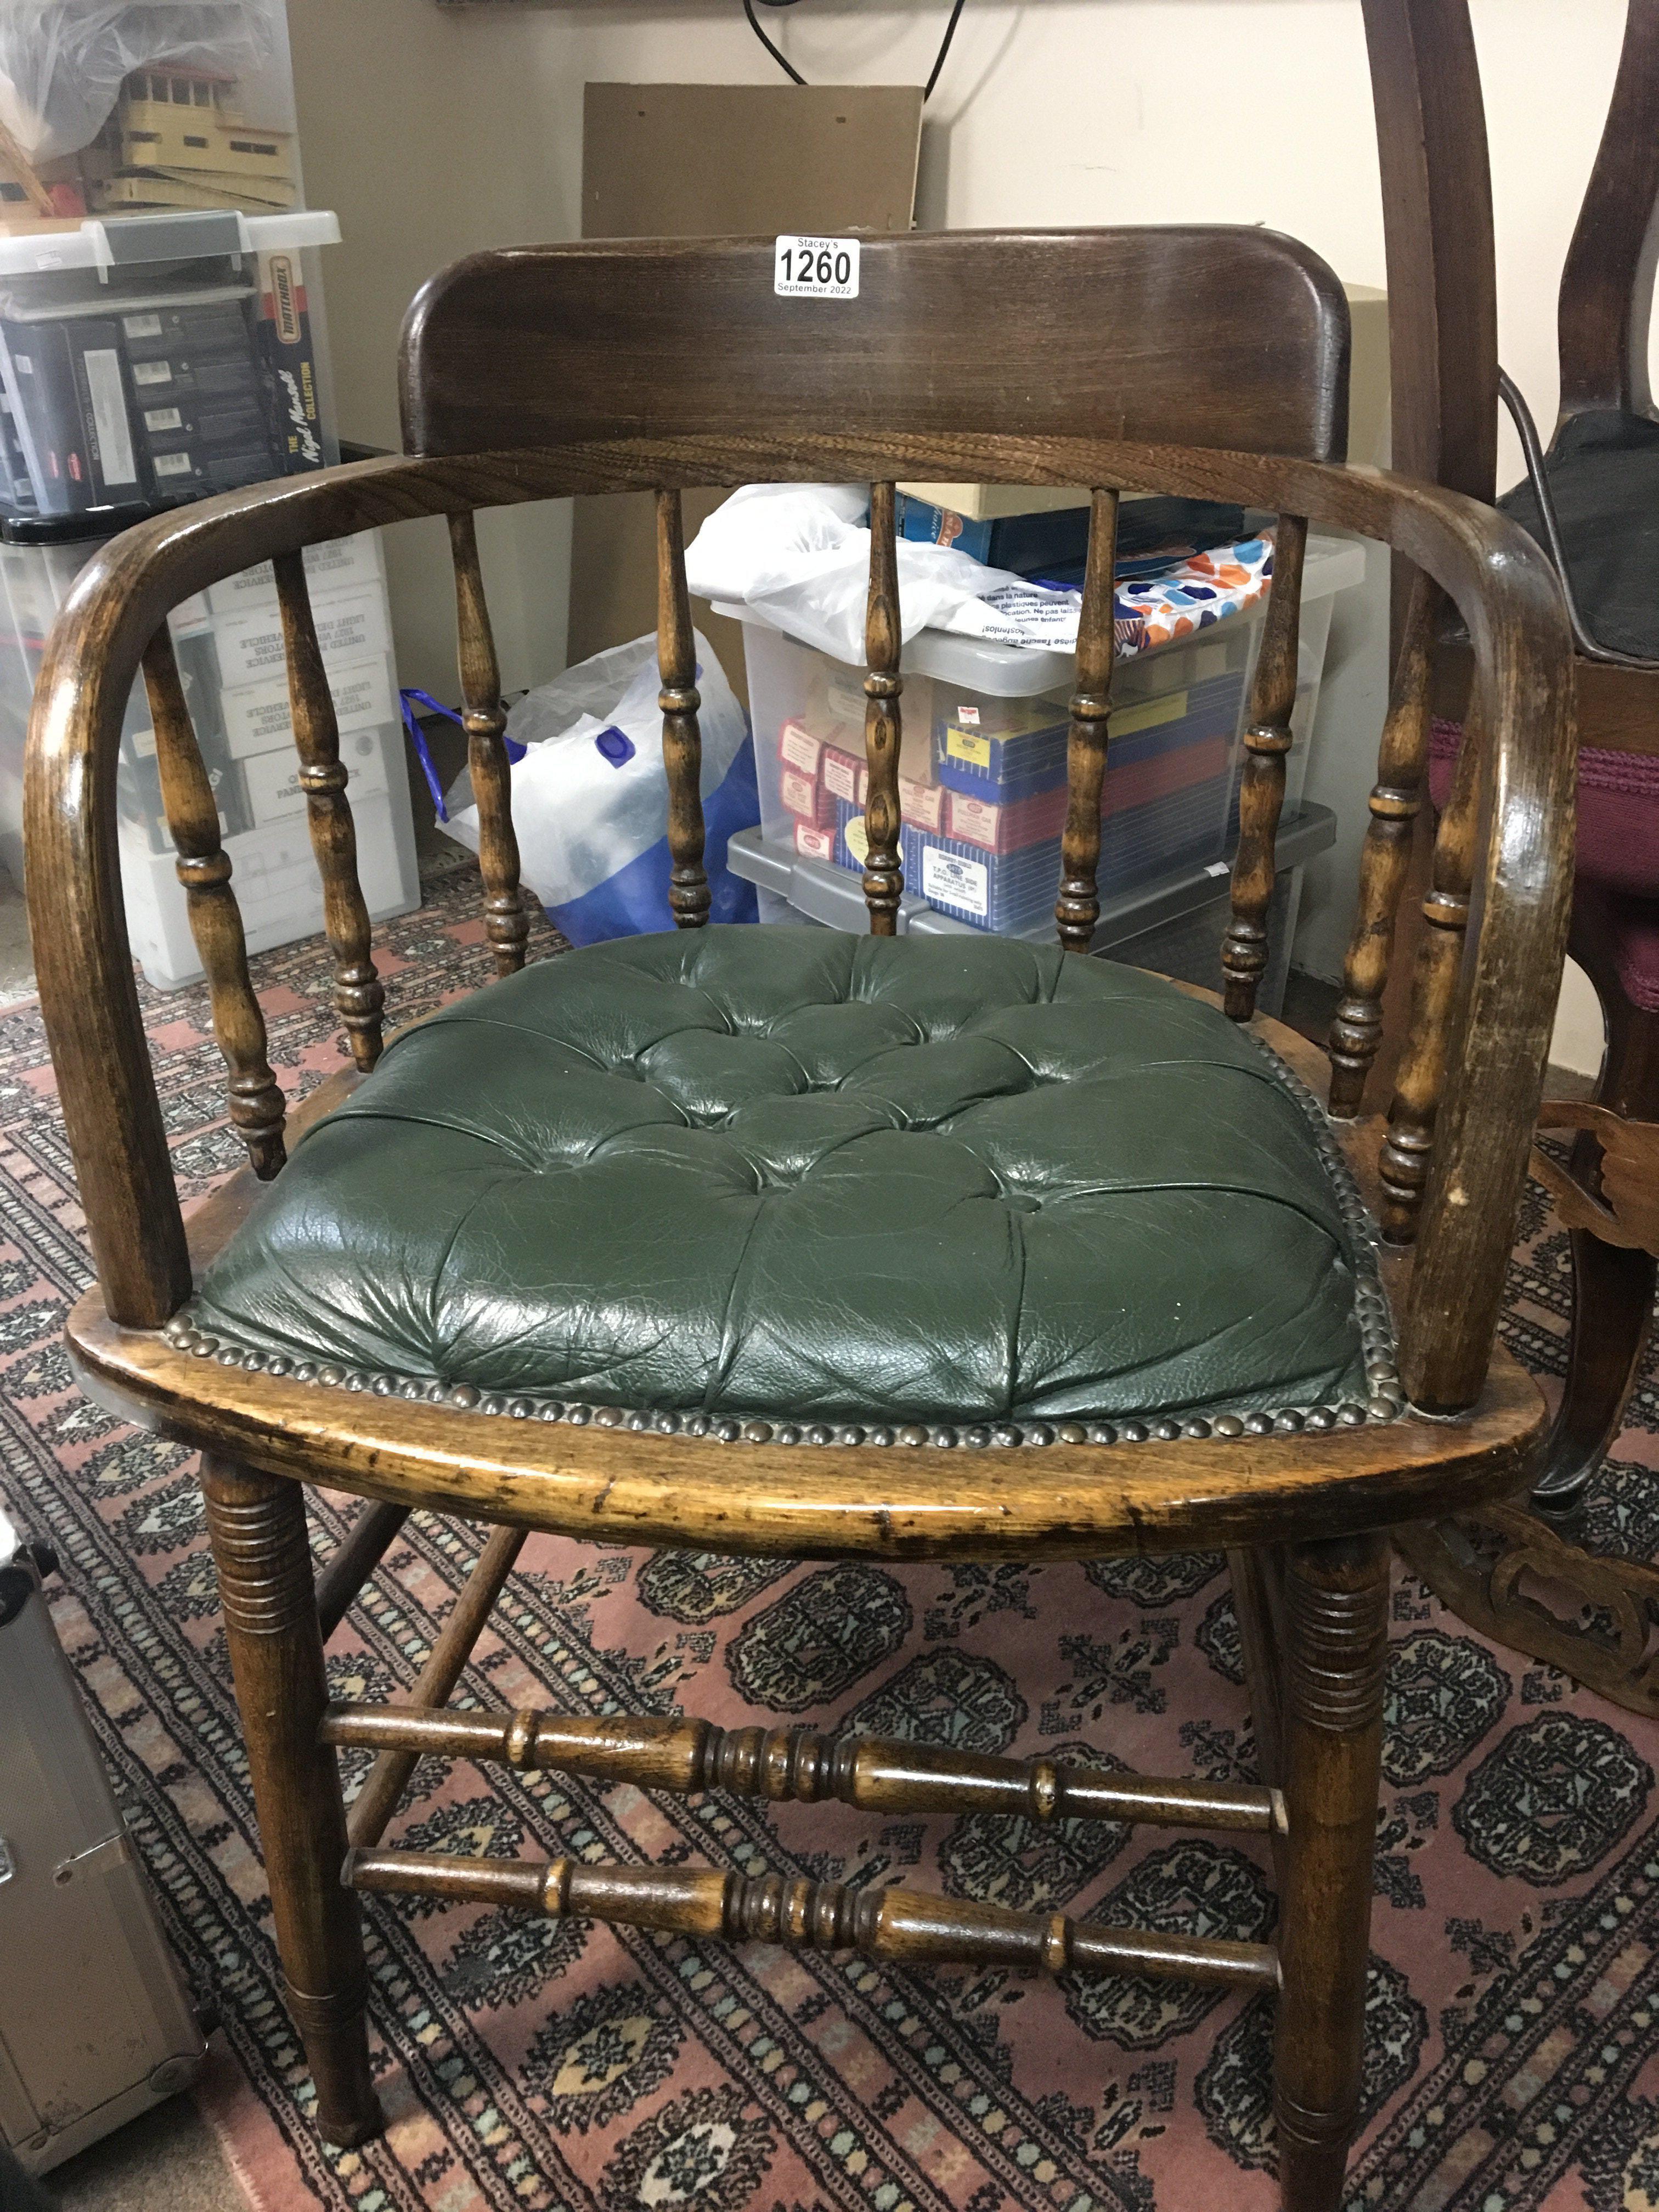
813	843
999	767
1007	828
995	891
799	750
338	566
256	718
350	626
954	881
807	800
273	780
841	773
922	804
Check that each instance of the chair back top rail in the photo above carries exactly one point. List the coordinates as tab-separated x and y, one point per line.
1199	336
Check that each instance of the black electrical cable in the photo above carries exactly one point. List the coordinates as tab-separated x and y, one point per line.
781	59
943	49
795	75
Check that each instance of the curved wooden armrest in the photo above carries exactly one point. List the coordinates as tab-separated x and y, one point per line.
1496	574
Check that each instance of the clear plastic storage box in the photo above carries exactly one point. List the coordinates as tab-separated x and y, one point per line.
229	646
983	764
156	359
1174	923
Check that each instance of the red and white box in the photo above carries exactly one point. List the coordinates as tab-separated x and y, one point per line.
1006	828
806	800
814	844
922	804
799	750
841	774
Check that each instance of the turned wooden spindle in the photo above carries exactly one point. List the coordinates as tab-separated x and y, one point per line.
359	995
878	1774
1261	785
1420	1081
681	740
903	1925
257	1109
386	1780
506	924
1077	910
884	876
348	1567
1385	859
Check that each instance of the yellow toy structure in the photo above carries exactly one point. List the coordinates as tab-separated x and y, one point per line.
178	139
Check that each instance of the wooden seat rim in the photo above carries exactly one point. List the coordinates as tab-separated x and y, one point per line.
617	1487
614	1486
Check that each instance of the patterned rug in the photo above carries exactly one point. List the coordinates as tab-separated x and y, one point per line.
1515	1986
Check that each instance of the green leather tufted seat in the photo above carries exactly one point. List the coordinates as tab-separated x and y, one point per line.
793	1173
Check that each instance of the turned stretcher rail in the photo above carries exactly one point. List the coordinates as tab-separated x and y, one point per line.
904	1925
875	1773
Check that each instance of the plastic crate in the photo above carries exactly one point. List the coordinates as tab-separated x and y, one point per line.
230	647
157	359
1174	923
983	762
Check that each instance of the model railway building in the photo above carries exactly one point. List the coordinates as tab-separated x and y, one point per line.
178	139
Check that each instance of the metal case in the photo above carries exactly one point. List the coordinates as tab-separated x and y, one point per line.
95	2023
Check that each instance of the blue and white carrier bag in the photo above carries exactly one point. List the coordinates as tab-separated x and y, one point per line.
589	797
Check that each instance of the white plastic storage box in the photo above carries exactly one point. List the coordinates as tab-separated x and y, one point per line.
157	359
1173	924
983	764
229	646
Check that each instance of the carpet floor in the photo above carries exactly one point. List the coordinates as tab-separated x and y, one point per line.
1514	2007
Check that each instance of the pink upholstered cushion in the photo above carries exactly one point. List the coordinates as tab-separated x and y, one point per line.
1618	811
1617	847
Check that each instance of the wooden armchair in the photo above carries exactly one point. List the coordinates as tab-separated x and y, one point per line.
800	1243
1592	500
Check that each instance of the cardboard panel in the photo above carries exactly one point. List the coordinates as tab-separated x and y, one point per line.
728	161
698	160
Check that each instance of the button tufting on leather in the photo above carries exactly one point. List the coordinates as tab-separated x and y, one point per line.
772	1175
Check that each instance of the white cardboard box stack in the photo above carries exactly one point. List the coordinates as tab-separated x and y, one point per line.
229	644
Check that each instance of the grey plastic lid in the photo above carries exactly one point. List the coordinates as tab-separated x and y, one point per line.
182	234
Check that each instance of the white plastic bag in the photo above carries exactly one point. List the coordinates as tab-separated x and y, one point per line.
62	62
589	797
797	556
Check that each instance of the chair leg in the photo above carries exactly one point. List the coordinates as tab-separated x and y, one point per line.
1613	1289
1335	1626
257	1526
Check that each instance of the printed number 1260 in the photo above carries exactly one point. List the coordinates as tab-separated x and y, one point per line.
816	268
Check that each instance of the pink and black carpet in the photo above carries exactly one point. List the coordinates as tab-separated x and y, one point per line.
1515	1982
